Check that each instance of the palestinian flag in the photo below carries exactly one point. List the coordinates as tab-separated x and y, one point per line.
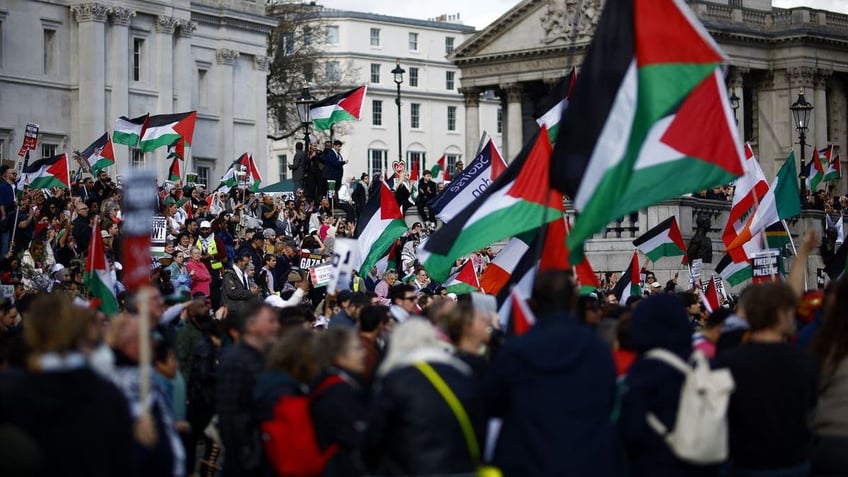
500	269
98	278
391	260
341	107
98	155
46	173
838	265
177	149
710	297
128	131
174	173
833	170
162	130
649	104
780	202
517	201
255	179
379	225
440	170
243	164
628	284
748	192
550	107
463	281
814	170
734	273
664	240
522	316
586	278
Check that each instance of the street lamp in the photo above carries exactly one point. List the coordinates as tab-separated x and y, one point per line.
398	76
304	111
734	103
801	113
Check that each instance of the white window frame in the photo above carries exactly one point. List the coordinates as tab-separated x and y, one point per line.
204	169
449	42
451	118
283	163
331	35
375	73
415	115
450	80
410	160
49	50
136	158
413	41
450	163
378	157
332	71
139	57
374	37
414	76
48	149
377	112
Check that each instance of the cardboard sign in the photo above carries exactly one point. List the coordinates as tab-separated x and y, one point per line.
30	139
320	275
719	284
345	261
766	266
309	260
820	278
695	271
158	235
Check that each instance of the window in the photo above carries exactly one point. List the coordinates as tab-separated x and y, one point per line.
138	58
415	115
136	158
48	150
283	160
375	73
450	76
448	45
202	96
413	77
375	37
451	118
49	52
415	159
413	42
308	72
287	43
451	160
376	112
332	71
332	35
377	161
204	172
307	36
499	126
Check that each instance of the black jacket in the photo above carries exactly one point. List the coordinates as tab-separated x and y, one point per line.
233	292
80	422
412	430
237	376
338	414
81	233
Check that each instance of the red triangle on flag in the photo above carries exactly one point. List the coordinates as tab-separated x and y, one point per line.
635	275
413	175
676	237
522	316
468	275
96	255
554	253
533	181
712	295
185	127
389	209
714	145
107	150
353	103
498	163
665	34
60	169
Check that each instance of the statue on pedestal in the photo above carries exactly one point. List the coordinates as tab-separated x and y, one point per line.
701	246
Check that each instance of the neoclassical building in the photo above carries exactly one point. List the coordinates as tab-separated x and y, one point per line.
773	53
73	67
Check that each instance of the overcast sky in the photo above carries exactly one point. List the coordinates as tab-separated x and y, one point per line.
479	13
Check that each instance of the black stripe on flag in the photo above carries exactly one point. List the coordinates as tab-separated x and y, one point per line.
598	83
657	230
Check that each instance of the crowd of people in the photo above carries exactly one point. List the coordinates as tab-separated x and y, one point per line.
395	376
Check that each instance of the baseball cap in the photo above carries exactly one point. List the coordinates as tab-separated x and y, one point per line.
294	276
269	233
656	285
205	225
105	234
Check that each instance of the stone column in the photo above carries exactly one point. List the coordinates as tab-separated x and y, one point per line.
736	86
164	71
183	74
838	132
91	48
118	77
224	72
820	103
513	125
472	121
260	129
775	136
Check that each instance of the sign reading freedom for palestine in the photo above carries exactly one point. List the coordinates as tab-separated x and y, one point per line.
766	267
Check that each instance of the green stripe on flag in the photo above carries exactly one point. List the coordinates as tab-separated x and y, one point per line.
393	230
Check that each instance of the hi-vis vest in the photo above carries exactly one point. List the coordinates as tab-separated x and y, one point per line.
212	250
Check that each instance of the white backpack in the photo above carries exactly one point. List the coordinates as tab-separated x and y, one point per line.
700	430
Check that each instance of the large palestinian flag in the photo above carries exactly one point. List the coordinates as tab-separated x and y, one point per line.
664	240
345	106
649	105
162	130
517	201
99	155
98	278
46	173
379	225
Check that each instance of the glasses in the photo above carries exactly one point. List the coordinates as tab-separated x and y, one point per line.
408	298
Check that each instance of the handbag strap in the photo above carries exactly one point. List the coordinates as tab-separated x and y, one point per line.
455	406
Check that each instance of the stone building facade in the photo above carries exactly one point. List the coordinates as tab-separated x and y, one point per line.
74	67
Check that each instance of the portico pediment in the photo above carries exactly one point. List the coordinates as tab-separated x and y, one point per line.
533	25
